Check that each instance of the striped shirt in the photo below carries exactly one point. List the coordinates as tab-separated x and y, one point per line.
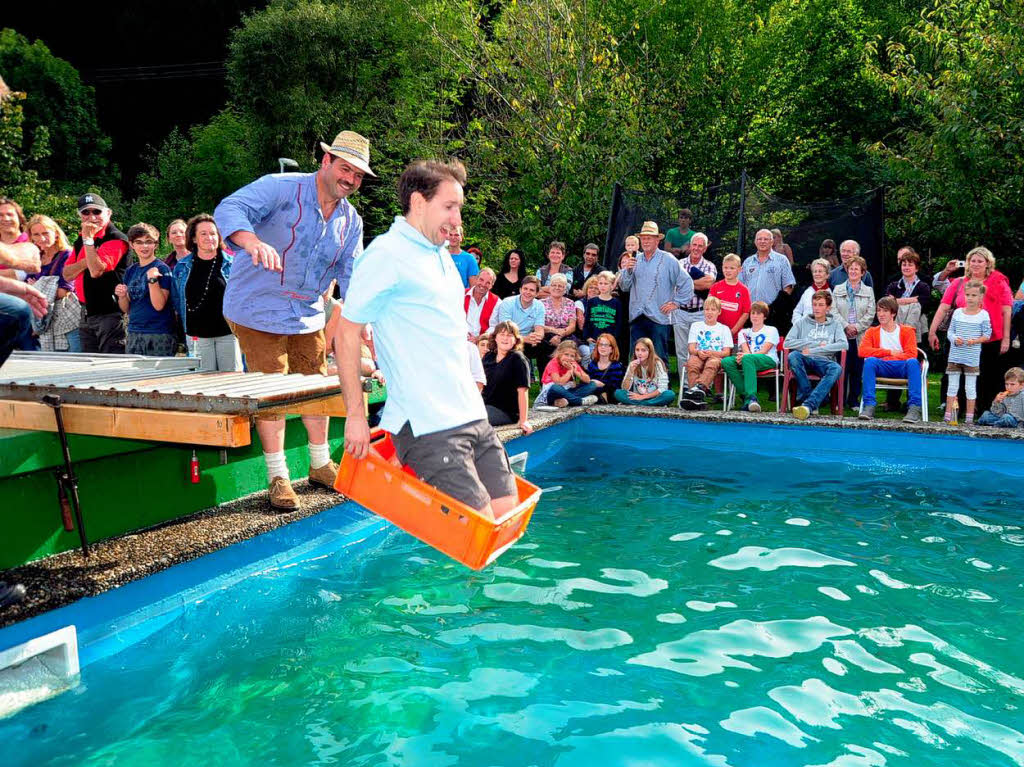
766	280
967	326
701	269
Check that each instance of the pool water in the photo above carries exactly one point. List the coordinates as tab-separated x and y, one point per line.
669	606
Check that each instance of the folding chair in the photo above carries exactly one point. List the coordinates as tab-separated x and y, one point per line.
721	384
900	384
775	373
836	395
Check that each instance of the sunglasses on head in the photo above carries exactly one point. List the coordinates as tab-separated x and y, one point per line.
90	212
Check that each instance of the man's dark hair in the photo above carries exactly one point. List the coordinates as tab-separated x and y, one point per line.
889	304
17	209
824	294
425	176
190	231
685	213
142	229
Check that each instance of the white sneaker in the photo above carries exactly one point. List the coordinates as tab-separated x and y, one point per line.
590	399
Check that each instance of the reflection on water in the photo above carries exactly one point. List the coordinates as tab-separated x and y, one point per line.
654	615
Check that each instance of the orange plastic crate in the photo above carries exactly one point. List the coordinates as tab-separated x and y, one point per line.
386	488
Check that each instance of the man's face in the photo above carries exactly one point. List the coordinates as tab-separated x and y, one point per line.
649	242
455	239
9	219
94	215
698	247
883	314
819	307
484	282
339	177
846	252
590	257
528	292
441	215
763	241
684	222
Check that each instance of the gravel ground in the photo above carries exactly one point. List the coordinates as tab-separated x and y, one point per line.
67	577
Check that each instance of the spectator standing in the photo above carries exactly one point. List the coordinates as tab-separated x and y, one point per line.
849	249
1007	409
465	261
646	378
889	349
854	307
96	267
814	343
827	251
998	302
602	313
819	281
528	315
733	295
758	350
555	265
970	327
769	277
510	276
710	342
658	286
586	269
506	393
145	297
703	273
481	306
913	296
60	332
199	284
293	234
677	239
176	239
604	368
632	245
780	246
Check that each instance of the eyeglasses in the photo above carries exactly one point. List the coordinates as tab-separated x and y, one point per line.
90	212
144	242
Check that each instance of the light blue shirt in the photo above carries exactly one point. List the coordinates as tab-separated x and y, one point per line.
466	263
511	310
766	280
283	211
411	292
652	284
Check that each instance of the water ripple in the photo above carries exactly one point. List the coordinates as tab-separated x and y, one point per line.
663	744
597	639
772	559
759	719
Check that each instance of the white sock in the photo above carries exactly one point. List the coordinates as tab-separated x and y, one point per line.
319	455
276	465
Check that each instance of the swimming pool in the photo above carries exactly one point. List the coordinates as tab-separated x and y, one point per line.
683	596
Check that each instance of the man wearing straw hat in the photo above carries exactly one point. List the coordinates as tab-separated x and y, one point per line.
293	235
657	287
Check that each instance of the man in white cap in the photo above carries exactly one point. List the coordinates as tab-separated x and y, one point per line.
657	287
293	235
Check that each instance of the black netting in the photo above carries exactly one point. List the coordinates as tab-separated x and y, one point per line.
730	214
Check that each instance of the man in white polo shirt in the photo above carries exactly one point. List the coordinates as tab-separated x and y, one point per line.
406	285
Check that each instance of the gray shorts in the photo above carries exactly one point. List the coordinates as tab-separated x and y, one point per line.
468	462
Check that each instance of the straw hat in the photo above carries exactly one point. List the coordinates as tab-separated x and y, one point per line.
352	148
650	227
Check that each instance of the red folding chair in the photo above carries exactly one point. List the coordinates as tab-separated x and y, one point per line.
775	374
836	395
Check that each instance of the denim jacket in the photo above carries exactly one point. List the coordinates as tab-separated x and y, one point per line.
182	270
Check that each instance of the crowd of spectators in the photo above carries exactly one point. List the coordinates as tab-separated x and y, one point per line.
585	332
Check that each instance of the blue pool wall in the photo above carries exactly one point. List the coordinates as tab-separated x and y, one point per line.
116	619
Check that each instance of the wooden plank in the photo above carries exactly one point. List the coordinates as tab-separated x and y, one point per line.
214	429
332	406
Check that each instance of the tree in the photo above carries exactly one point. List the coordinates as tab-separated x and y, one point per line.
59	112
955	158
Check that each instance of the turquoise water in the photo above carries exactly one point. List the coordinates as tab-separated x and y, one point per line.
668	607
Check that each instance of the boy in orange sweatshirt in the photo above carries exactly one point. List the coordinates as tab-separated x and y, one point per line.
890	350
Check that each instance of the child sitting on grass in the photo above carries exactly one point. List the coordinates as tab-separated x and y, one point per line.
710	343
969	328
646	379
758	351
1007	409
604	367
564	382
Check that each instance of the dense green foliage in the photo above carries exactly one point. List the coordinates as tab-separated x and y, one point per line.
551	101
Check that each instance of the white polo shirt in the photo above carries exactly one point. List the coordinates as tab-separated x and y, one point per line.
412	293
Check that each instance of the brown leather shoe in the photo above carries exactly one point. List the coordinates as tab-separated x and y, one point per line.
282	495
324	476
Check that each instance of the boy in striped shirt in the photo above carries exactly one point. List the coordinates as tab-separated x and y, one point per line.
969	328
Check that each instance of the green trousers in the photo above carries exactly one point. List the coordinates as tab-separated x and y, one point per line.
744	375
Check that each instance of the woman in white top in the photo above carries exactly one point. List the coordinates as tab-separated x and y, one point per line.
819	275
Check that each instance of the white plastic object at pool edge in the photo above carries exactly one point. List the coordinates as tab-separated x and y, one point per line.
55	655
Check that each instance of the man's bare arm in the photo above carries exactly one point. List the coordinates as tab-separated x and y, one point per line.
347	342
20	255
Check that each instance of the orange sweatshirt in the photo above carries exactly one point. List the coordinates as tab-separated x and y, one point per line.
871	344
